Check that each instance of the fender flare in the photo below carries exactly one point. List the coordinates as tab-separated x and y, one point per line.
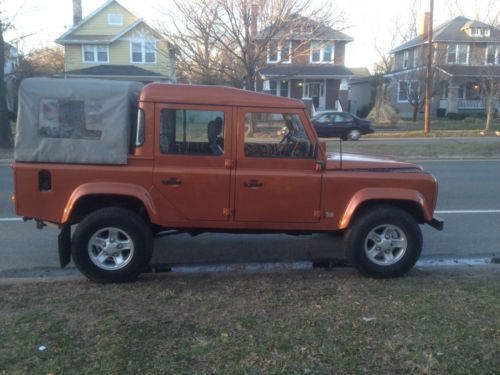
110	188
387	195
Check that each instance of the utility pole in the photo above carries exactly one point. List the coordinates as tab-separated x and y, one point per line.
428	78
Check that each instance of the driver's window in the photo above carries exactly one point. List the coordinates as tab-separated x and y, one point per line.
338	118
276	135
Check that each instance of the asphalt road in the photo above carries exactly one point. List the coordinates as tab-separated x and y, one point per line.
469	201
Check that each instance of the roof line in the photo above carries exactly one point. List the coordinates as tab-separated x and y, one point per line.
92	15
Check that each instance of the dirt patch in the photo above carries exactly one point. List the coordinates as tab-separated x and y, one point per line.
315	321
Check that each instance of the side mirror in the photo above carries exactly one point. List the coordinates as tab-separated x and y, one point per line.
319	155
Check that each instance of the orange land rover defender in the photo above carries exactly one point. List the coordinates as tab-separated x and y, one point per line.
122	163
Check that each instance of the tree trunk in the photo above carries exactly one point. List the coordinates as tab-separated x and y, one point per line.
489	110
5	130
415	112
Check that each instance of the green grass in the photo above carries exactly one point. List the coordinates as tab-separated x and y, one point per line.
423	150
312	321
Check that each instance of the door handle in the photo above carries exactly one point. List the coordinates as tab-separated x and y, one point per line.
173	181
253	184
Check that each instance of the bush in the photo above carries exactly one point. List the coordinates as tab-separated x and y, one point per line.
455	116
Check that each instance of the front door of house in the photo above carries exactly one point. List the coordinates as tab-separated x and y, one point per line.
316	91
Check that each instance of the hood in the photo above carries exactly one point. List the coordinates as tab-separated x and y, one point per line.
348	161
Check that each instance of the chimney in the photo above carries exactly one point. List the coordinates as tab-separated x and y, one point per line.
424	25
77	11
253	19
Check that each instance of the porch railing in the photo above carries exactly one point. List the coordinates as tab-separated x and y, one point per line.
470	104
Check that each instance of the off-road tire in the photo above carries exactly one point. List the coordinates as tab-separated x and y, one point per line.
356	241
128	223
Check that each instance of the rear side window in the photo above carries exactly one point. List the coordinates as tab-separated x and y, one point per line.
70	119
276	135
192	132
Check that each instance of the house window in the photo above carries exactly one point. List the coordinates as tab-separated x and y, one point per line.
321	52
279	52
458	54
143	51
486	32
115	19
279	88
407	91
493	54
95	54
405	59
272	52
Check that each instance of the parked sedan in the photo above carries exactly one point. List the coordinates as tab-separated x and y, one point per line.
341	125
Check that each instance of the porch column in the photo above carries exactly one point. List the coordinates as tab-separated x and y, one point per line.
452	99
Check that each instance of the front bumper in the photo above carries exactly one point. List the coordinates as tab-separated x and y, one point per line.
436	223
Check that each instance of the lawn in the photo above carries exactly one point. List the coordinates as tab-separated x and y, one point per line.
309	321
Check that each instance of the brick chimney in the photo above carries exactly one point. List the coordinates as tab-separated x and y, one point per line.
77	11
424	24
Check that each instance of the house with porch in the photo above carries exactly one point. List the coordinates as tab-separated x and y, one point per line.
114	43
305	60
466	64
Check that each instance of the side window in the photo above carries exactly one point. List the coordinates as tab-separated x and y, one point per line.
276	135
70	119
193	132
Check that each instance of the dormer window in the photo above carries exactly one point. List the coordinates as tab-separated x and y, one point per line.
279	52
115	19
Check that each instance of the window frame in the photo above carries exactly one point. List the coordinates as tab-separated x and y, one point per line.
110	15
405	59
143	43
282	159
95	54
496	54
276	91
225	131
320	48
456	52
279	52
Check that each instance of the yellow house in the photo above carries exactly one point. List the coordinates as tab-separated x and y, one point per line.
114	43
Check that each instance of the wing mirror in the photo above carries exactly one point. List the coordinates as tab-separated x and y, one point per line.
320	155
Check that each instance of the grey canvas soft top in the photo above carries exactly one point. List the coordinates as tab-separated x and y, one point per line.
84	121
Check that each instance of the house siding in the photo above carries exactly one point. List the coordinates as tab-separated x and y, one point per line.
98	25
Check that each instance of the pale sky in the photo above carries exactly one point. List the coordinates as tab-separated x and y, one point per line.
44	20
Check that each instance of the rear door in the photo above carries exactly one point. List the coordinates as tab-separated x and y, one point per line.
192	161
276	180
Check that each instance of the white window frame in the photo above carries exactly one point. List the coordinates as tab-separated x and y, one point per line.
95	47
457	48
409	84
143	43
116	23
496	54
405	59
267	84
279	49
321	52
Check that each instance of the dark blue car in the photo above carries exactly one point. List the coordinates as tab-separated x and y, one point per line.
341	125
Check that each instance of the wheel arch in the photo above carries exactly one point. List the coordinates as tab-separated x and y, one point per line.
93	196
410	201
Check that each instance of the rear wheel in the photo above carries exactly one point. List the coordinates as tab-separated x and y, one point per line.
384	242
354	135
112	245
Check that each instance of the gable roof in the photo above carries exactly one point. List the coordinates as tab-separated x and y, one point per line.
319	30
453	31
68	38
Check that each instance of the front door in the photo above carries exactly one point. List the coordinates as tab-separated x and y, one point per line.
316	91
192	162
275	180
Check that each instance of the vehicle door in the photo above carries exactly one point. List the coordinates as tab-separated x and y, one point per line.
323	125
192	161
276	178
342	124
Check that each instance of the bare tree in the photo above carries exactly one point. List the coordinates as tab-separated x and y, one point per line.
218	38
42	62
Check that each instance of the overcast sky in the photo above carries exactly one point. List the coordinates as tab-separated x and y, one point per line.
367	20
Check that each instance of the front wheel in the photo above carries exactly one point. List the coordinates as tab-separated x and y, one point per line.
112	245
384	242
